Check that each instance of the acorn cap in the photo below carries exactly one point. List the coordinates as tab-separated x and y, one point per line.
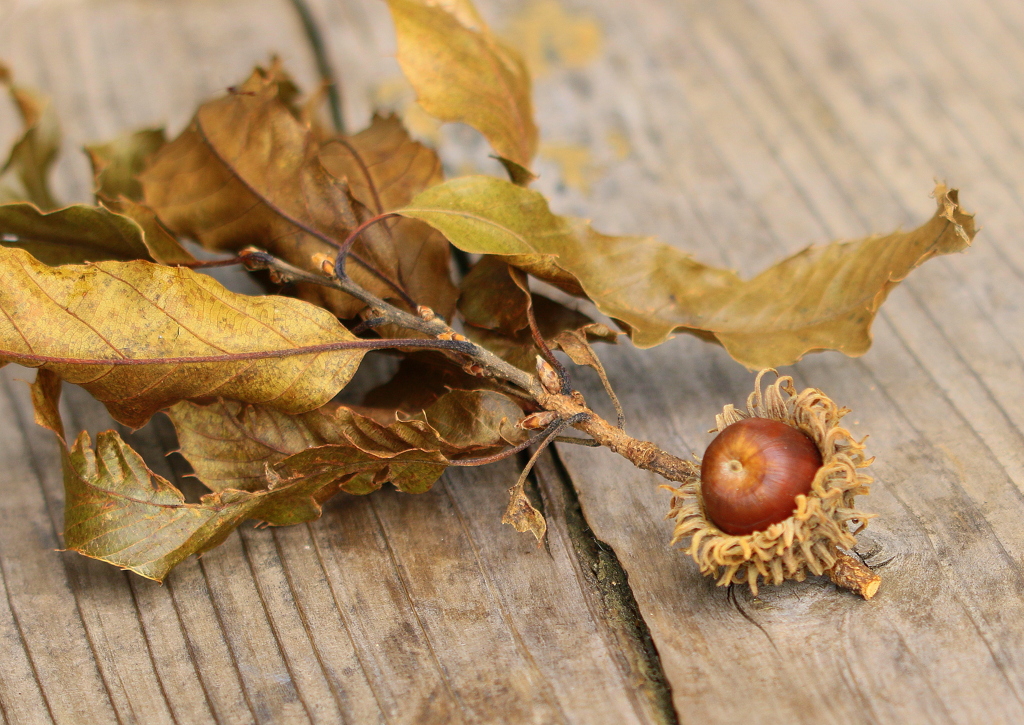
808	541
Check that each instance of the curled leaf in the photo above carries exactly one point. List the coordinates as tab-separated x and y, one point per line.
118	511
462	72
140	337
495	301
247	172
231	445
522	514
23	177
72	235
117	163
823	298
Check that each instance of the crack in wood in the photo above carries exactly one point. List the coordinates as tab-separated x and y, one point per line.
599	564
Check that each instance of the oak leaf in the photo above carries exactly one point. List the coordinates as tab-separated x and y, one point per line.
823	298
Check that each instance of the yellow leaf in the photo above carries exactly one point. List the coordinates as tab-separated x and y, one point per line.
141	337
462	72
823	298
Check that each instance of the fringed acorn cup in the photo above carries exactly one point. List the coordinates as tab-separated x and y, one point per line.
773	498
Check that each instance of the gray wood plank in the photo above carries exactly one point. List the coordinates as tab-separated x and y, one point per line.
390	608
745	129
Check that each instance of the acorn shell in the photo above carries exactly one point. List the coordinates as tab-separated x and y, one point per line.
806	541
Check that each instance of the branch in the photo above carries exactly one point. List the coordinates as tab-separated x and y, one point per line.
426	322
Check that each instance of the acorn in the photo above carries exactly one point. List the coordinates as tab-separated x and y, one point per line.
753	471
773	498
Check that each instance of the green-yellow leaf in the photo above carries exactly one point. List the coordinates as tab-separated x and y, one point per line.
118	511
23	177
142	336
117	163
72	235
823	298
462	72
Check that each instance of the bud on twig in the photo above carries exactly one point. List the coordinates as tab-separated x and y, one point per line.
548	377
325	263
538	421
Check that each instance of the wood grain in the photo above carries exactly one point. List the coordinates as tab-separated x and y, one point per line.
741	130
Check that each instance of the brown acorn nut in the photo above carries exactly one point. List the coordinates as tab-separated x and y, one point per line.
817	524
752	473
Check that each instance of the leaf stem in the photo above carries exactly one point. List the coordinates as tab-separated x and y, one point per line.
458	346
346	246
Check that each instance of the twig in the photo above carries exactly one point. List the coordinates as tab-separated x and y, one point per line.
429	324
569	406
323	65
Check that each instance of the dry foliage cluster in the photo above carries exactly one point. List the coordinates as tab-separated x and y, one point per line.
357	234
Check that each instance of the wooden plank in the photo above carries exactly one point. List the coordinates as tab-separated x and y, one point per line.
936	425
390	608
740	130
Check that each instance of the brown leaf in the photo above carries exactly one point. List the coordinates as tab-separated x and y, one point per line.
383	167
23	176
422	378
821	298
117	163
244	172
141	336
522	514
248	172
231	445
494	302
462	72
118	511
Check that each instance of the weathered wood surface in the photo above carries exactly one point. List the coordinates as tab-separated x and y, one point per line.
740	130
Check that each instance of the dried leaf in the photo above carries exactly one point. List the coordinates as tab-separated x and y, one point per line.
118	511
244	172
23	176
522	514
162	245
231	445
462	72
494	301
820	298
248	172
72	235
492	298
117	163
384	168
170	322
421	379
